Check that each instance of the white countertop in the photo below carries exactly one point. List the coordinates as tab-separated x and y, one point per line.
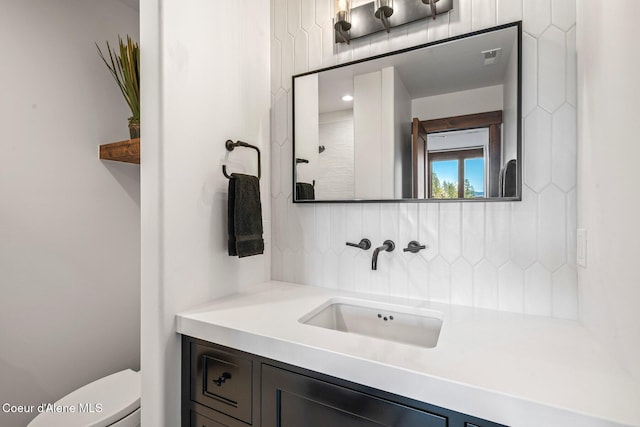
509	368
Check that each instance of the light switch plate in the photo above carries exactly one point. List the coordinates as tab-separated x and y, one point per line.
581	249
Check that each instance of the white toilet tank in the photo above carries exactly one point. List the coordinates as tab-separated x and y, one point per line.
112	401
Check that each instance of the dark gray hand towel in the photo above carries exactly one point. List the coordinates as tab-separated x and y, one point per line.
508	179
305	191
245	216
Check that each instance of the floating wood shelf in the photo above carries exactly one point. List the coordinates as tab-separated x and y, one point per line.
122	151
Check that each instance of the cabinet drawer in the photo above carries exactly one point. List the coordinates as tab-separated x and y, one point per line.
198	420
222	381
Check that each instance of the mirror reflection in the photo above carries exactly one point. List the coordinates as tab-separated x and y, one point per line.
436	122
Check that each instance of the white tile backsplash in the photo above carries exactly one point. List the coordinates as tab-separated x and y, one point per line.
552	233
537	153
315	47
537	290
552	57
276	66
461	282
473	237
517	256
338	228
399	277
437	29
307	15
572	67
276	178
323	228
563	149
563	14
279	13
509	11
529	74
280	114
484	14
536	16
511	288
497	232
428	229
523	234
485	285
346	270
450	247
565	287
460	18
418	275
439	280
330	277
301	51
293	15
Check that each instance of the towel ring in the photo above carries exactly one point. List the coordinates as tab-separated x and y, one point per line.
230	145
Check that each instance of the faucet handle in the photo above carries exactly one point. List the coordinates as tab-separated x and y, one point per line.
414	247
364	244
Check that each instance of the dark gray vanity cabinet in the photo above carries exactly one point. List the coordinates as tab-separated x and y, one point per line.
227	387
293	400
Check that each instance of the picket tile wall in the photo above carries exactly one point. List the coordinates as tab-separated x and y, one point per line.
512	256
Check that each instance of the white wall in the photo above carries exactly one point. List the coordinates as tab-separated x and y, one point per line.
367	136
206	80
608	198
308	128
402	119
470	101
69	222
374	119
336	164
517	256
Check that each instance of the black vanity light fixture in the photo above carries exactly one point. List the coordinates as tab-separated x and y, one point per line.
432	6
384	9
342	20
381	15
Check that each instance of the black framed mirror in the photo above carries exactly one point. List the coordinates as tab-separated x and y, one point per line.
436	122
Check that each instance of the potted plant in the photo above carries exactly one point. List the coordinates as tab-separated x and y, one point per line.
125	68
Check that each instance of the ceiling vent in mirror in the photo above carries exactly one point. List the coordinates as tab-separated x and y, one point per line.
491	56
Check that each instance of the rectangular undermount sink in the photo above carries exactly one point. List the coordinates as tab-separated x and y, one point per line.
408	325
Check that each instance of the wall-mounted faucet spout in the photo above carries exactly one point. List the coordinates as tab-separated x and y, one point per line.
387	246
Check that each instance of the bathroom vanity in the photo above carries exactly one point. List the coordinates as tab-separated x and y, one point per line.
253	358
224	386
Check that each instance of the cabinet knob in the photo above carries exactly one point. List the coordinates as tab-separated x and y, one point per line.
222	379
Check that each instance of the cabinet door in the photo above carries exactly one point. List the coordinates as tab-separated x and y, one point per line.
294	400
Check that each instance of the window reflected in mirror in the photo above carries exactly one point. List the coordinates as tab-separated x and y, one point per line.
458	173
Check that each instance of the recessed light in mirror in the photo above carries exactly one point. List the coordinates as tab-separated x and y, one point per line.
347	98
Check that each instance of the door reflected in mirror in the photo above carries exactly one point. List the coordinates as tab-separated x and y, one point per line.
436	122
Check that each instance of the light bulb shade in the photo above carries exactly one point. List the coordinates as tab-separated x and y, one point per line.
432	5
383	7
342	14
